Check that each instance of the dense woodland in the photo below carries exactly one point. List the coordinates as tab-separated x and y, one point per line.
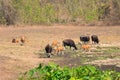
92	12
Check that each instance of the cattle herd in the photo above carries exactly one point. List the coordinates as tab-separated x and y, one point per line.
56	48
22	40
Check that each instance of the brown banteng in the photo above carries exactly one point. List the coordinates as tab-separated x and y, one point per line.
59	50
55	43
22	39
85	47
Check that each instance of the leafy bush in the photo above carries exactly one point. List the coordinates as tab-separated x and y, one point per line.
7	12
30	12
59	11
55	72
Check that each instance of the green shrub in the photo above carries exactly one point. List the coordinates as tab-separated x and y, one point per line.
55	72
59	11
7	12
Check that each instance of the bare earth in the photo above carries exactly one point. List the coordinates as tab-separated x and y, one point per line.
16	59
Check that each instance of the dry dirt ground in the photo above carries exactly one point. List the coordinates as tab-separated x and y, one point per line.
16	59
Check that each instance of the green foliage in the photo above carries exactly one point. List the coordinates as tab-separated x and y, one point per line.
7	12
55	72
2	20
59	11
31	12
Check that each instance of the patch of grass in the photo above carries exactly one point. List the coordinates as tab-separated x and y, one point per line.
99	53
111	49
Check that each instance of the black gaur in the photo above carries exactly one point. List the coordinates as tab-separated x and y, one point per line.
84	38
94	39
69	42
48	50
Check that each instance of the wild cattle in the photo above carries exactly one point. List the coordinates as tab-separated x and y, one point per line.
55	43
95	39
22	39
85	47
69	42
84	38
48	50
59	50
15	40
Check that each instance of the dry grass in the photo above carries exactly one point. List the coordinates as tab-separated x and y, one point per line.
15	59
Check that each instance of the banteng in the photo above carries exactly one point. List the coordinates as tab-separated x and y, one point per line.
94	39
48	50
85	39
69	42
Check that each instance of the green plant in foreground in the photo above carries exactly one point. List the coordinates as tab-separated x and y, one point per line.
55	72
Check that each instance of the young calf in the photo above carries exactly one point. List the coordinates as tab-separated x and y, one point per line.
22	39
55	43
85	47
59	50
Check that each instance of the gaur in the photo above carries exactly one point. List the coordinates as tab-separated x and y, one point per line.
69	42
